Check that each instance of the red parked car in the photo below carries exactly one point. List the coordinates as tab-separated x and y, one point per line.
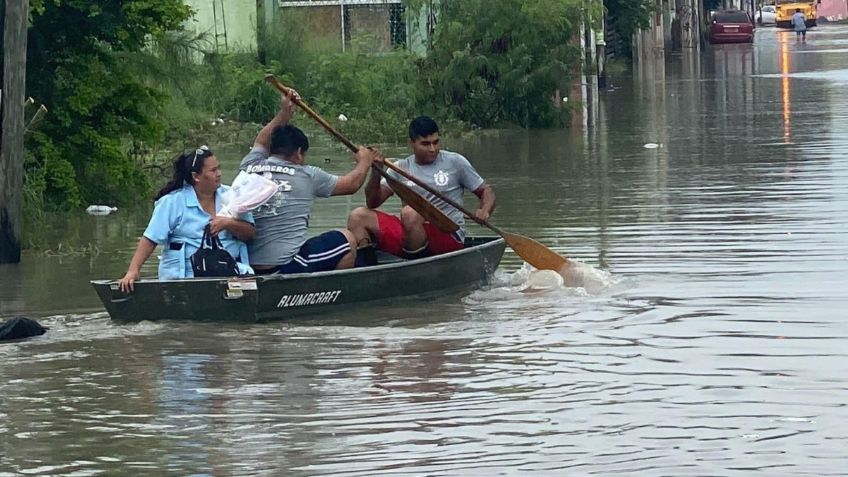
732	26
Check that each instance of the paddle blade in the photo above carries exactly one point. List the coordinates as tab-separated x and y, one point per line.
534	253
430	212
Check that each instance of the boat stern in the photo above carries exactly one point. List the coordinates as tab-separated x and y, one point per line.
213	299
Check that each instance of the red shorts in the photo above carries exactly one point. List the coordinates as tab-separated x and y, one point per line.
391	237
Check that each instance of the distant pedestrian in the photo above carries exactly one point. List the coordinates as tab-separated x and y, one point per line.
799	21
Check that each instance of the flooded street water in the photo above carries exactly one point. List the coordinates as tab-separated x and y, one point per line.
717	347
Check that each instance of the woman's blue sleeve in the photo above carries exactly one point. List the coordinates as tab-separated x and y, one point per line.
164	220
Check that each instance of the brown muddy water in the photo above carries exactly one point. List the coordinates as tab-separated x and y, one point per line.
717	345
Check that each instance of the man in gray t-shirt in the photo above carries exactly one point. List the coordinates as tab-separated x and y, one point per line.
280	246
447	172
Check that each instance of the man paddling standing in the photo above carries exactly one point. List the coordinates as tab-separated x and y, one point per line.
449	173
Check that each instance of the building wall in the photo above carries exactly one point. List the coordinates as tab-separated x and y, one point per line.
833	10
674	24
419	27
323	22
649	44
229	25
368	23
370	27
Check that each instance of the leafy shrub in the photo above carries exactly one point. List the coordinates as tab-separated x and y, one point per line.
94	100
502	62
122	78
626	17
378	93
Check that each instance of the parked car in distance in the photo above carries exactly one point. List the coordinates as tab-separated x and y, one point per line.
766	16
731	26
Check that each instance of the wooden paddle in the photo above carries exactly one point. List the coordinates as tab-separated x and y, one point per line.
528	249
531	251
421	205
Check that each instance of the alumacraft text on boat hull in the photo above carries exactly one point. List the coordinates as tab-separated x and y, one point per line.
283	296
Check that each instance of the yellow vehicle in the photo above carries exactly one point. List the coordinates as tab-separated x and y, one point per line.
786	8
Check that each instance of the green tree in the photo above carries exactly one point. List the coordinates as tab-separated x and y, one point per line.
79	153
501	62
626	17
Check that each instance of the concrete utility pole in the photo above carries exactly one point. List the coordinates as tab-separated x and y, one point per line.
13	30
690	25
649	44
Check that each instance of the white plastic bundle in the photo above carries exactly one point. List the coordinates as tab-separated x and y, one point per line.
100	209
248	192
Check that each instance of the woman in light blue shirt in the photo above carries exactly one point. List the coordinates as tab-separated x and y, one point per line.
184	207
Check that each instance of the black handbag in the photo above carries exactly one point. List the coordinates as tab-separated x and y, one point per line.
212	259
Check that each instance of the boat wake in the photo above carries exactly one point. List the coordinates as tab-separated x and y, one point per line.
577	274
84	327
577	279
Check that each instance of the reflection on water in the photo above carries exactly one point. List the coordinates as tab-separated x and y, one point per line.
784	86
716	346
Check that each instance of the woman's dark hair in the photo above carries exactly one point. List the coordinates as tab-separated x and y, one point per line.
184	165
422	126
287	139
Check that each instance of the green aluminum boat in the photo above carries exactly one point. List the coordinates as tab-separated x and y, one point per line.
278	297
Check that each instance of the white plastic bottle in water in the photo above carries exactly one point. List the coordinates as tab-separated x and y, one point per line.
100	209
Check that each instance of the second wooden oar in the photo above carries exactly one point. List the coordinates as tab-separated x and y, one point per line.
528	249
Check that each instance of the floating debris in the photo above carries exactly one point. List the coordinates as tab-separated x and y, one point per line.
100	209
